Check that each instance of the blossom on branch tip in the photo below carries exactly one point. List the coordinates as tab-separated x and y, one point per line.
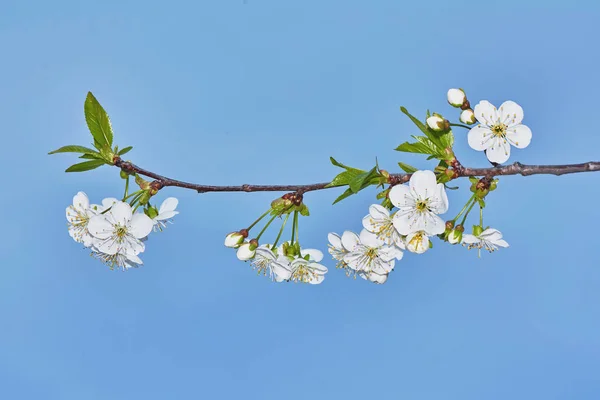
498	129
419	204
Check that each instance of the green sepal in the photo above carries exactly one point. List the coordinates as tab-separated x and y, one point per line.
303	209
151	211
85	166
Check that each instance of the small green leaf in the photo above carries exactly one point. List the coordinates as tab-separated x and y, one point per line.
409	169
345	177
363	180
85	166
98	122
91	156
72	149
428	132
347	193
125	150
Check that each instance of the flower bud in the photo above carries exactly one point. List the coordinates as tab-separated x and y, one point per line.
455	236
477	230
493	185
234	239
449	225
246	251
437	124
468	117
456	97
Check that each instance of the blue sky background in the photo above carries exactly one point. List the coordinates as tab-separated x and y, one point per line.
258	91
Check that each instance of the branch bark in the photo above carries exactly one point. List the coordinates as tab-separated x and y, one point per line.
513	169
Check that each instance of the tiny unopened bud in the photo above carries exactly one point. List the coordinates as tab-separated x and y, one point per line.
449	225
468	117
234	239
493	185
437	123
384	173
477	229
456	97
253	244
246	252
455	236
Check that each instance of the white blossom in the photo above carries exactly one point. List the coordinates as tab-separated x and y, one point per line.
498	129
78	217
380	222
367	253
119	230
490	239
419	203
165	213
417	242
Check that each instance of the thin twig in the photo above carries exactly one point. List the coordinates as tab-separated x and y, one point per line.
513	169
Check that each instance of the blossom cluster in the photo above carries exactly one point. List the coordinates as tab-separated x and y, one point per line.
286	262
113	231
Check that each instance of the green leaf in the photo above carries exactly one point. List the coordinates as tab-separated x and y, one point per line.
85	166
415	148
428	132
72	149
343	178
91	156
409	169
98	123
125	150
347	193
363	180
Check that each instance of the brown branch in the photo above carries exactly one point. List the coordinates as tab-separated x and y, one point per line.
513	169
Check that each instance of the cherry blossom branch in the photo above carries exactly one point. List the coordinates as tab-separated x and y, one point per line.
394	179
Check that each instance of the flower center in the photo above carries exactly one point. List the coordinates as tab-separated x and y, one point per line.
120	233
422	205
416	241
499	130
303	274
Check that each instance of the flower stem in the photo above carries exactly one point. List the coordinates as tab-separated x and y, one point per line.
280	230
461	125
259	218
132	194
266	226
296	226
126	187
136	198
464	208
480	216
467	213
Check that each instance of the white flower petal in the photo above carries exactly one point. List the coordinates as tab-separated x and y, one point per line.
519	136
510	113
121	212
81	201
170	204
140	225
244	253
404	221
335	240
486	113
378	211
350	240
423	183
370	239
387	253
499	152
100	227
434	225
314	254
470	239
401	197
479	137
166	215
501	243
